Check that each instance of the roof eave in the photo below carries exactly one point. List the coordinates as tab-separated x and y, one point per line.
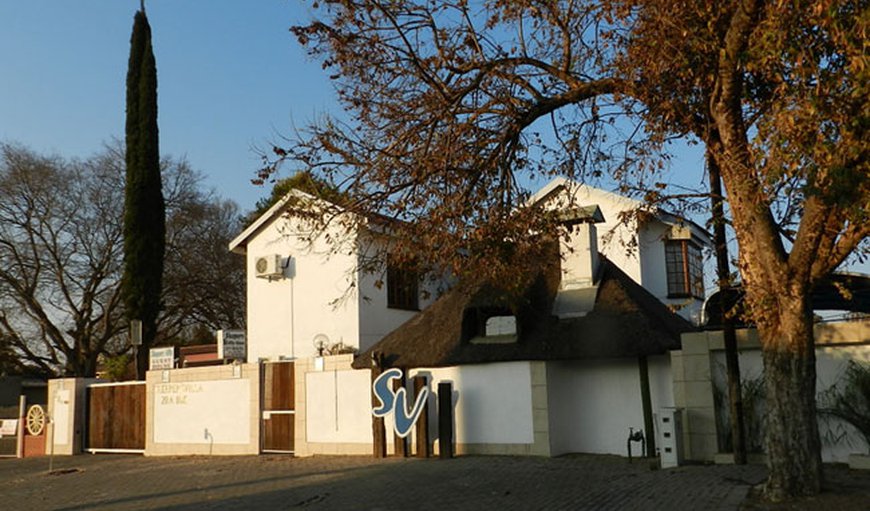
239	244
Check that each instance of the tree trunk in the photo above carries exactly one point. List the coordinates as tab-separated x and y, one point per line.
792	432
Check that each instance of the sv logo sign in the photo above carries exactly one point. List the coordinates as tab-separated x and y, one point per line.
397	402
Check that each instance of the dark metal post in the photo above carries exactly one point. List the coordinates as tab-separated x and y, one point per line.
723	274
445	420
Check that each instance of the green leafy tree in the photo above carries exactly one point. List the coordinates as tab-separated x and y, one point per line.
144	209
304	181
449	103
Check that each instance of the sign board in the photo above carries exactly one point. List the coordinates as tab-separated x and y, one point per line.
161	358
8	427
136	332
231	344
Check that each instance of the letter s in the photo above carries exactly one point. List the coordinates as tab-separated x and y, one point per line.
382	390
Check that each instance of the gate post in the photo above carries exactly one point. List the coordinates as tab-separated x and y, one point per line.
19	441
423	448
445	420
67	414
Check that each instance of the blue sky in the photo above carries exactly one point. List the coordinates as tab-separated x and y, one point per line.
230	77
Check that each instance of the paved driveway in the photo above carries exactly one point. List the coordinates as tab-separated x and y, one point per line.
273	482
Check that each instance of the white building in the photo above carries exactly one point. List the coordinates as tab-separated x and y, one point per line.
660	251
311	288
604	282
308	290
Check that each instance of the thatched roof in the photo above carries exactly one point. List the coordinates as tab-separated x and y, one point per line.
626	321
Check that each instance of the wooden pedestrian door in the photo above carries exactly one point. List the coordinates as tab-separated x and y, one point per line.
116	417
278	407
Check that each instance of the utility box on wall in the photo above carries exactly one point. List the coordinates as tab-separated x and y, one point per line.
671	428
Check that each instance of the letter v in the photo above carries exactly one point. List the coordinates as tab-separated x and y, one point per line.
404	421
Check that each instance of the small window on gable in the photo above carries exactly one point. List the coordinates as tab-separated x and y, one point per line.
685	269
402	287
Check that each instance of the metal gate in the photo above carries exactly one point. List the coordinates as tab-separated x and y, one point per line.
278	407
116	417
9	424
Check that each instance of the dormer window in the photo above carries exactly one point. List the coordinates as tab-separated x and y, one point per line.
402	287
685	268
500	325
489	325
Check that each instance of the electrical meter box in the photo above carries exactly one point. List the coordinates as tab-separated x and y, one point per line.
671	441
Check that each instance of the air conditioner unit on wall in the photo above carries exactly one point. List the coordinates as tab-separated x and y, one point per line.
267	267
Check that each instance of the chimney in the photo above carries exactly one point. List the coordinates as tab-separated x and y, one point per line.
580	260
579	256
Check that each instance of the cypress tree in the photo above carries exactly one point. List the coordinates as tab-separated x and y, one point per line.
144	208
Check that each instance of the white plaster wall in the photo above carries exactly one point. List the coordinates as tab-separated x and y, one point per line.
376	320
338	405
661	382
615	238
202	412
493	402
839	439
285	314
593	403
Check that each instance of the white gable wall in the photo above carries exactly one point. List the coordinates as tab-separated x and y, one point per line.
638	250
285	314
616	239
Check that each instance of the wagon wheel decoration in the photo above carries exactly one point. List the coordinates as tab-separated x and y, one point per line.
35	420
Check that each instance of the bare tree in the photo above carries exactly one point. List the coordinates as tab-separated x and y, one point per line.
449	102
60	258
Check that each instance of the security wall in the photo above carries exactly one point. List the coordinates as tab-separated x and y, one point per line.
593	404
205	410
699	384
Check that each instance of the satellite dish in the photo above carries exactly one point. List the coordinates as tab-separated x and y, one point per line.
321	341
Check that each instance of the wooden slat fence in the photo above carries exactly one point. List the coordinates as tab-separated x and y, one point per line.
116	417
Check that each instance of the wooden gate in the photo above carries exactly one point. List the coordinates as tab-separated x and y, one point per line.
116	417
278	407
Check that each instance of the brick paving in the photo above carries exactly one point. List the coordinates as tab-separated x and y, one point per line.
319	483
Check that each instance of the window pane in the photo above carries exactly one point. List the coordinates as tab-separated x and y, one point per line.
402	288
675	269
501	325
